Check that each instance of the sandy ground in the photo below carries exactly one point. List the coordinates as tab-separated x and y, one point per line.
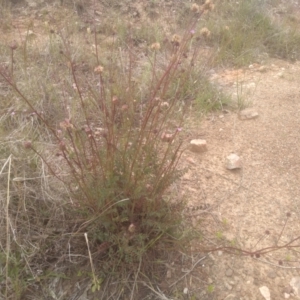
244	204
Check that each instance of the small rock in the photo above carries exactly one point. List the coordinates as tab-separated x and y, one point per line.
248	114
169	274
280	74
185	291
265	292
198	146
209	281
221	116
295	284
191	160
286	296
229	272
233	162
220	252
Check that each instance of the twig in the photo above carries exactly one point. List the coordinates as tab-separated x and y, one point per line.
161	296
276	265
135	280
187	273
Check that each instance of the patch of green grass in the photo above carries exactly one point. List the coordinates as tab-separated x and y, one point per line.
242	31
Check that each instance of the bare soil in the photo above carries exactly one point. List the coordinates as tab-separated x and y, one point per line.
244	204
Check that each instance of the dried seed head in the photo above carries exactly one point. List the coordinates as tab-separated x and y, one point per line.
155	46
164	105
167	137
102	132
208	6
176	39
88	130
27	145
13	45
205	32
132	228
66	124
195	8
98	70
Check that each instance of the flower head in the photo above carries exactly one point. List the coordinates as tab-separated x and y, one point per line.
208	6
176	40
98	70
155	46
205	32
195	8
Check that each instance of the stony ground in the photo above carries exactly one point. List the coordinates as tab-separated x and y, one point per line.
243	204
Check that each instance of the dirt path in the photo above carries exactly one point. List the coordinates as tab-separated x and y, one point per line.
245	204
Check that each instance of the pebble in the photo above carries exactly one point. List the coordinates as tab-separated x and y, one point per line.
233	162
265	292
198	146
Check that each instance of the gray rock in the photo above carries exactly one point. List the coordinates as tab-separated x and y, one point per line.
248	114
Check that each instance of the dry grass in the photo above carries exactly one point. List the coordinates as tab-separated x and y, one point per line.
93	108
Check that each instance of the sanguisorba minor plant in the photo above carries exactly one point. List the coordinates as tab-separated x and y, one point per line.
118	146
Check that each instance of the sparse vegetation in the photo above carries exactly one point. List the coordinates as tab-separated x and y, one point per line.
244	32
91	123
